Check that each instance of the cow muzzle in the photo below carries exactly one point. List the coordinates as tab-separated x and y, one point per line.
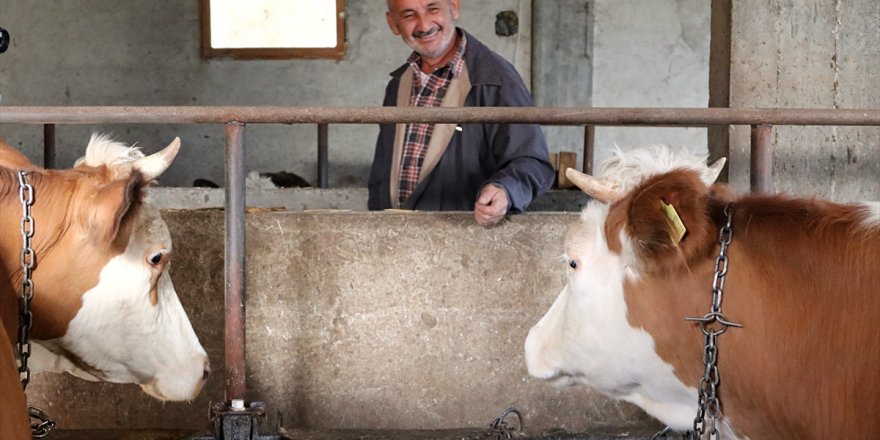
180	384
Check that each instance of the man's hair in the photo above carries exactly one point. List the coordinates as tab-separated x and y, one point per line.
388	3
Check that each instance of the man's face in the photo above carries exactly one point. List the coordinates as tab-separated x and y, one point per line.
426	26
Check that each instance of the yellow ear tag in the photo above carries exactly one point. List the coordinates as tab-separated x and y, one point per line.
678	229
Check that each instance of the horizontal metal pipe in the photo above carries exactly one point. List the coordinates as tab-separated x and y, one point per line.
683	117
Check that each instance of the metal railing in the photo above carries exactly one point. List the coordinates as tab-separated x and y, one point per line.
760	120
236	119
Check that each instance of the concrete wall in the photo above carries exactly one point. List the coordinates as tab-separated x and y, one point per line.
95	52
99	52
809	54
364	320
622	53
650	54
562	68
310	199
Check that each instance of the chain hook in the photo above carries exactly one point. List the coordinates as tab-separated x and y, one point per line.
500	430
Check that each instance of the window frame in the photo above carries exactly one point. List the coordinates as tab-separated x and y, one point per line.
272	53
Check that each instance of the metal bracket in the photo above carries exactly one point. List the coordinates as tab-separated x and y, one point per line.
235	421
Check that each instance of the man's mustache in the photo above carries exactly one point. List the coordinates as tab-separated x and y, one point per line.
427	33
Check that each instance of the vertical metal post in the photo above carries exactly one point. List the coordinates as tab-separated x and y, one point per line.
235	271
49	146
589	143
761	161
323	174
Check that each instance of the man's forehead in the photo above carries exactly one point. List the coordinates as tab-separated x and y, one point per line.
406	5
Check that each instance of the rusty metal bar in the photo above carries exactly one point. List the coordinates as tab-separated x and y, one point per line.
49	146
234	265
589	145
682	117
323	157
761	160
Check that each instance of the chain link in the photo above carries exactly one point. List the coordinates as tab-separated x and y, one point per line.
713	324
41	424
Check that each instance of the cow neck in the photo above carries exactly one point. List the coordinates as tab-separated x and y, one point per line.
57	299
10	252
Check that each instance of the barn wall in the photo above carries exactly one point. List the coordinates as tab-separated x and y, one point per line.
651	54
364	321
809	54
95	52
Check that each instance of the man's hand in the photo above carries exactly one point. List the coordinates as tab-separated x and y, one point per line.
491	205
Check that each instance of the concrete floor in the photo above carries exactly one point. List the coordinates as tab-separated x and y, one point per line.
301	434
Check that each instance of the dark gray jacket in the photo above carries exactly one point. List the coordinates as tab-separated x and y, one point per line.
514	156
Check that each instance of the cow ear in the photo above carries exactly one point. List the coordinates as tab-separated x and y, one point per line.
114	203
667	220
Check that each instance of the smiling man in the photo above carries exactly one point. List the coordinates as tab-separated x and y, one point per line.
492	169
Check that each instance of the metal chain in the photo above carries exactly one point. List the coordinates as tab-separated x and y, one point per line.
41	424
28	258
500	430
713	324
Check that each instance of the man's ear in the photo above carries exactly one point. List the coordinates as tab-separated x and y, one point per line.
456	9
391	23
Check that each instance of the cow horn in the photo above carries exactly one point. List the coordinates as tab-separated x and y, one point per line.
603	189
155	164
714	171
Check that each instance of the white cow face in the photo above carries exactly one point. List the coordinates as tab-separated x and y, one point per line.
585	338
131	327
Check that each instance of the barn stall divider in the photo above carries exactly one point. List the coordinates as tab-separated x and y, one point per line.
236	416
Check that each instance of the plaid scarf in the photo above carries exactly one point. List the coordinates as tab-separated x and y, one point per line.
427	92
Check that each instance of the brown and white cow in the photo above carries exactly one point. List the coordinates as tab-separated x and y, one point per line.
104	307
802	278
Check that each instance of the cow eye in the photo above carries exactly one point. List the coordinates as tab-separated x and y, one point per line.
573	264
155	258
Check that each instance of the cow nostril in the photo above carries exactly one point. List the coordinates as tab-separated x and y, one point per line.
207	371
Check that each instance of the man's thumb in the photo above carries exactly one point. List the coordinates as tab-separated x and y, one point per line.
486	195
